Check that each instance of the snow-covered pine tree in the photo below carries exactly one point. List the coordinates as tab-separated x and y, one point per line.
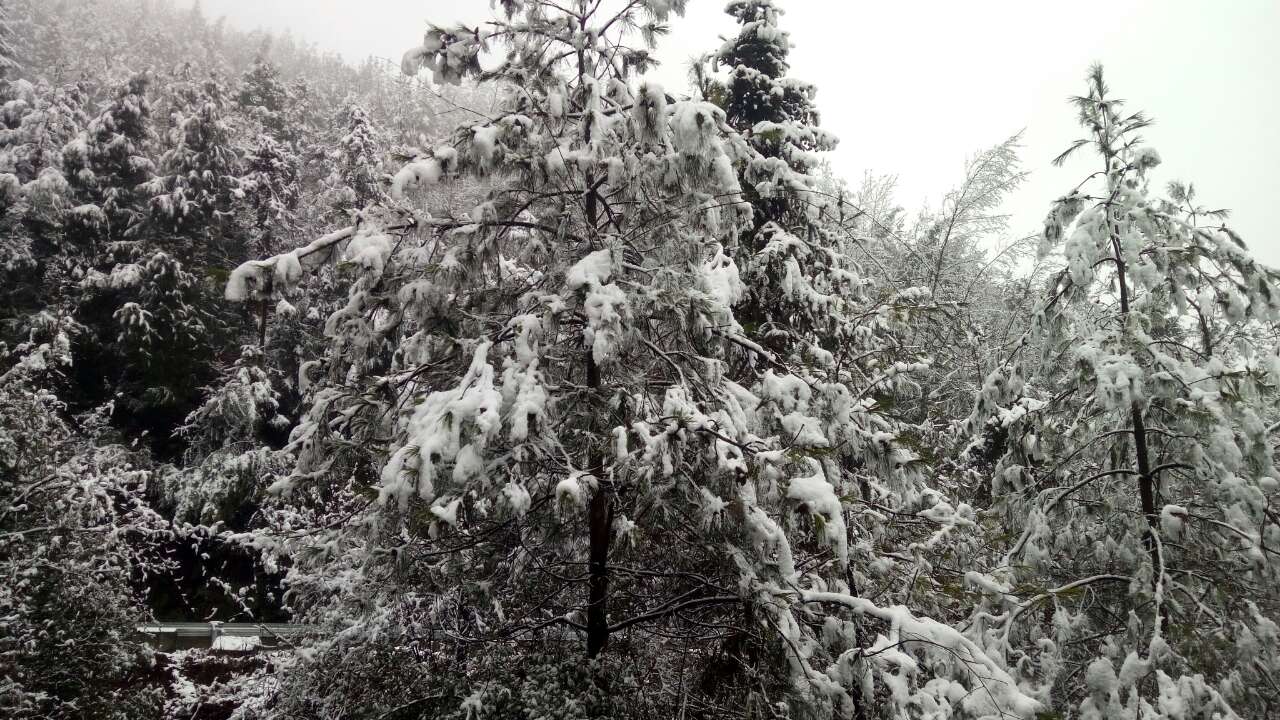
265	98
358	178
983	289
272	181
36	267
228	444
1137	474
198	182
149	320
54	118
540	422
272	188
806	299
777	117
163	339
75	534
108	162
774	113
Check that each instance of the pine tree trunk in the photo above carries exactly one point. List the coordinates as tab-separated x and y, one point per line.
598	515
598	588
1146	482
262	324
598	520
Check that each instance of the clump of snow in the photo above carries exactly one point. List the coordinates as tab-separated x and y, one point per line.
604	303
605	307
596	268
89	215
235	643
447	512
695	126
433	435
447	157
1172	520
484	144
620	443
720	279
517	498
569	492
712	506
415	174
555	104
246	281
288	270
555	161
649	114
1145	158
818	496
987	584
473	706
1132	670
468	464
369	250
770	541
1100	678
1020	409
788	391
803	431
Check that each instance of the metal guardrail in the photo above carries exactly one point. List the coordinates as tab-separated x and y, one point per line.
223	637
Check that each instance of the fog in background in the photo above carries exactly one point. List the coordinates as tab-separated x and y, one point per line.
914	87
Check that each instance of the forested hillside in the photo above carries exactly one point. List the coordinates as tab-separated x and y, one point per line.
537	390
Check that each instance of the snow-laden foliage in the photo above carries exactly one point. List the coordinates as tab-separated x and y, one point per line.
198	178
981	297
107	162
74	533
228	443
540	390
356	179
1136	471
522	409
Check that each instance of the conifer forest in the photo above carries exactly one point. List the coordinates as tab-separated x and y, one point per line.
503	383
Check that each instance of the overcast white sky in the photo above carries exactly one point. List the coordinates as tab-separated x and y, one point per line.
913	87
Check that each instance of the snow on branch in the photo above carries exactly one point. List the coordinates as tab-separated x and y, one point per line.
992	690
279	274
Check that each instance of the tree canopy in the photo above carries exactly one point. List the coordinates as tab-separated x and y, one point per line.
535	389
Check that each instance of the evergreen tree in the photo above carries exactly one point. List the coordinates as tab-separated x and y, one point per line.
823	302
37	267
228	440
75	532
357	178
162	340
198	183
54	118
108	162
982	289
265	98
551	392
774	113
272	186
1137	472
605	402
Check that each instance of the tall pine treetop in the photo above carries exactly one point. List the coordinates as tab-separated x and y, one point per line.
775	111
